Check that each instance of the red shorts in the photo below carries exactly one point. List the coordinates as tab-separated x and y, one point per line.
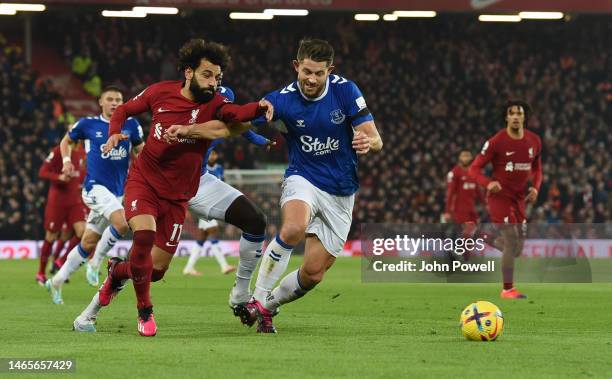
463	218
141	199
504	210
58	215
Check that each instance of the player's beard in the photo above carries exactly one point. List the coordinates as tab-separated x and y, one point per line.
201	94
317	92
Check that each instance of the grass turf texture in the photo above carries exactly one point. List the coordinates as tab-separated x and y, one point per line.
342	329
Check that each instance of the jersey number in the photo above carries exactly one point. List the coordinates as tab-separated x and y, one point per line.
176	233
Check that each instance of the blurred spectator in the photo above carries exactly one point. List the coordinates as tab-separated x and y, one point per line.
28	130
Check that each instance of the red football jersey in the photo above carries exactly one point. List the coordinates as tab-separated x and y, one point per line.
514	161
173	169
63	193
461	192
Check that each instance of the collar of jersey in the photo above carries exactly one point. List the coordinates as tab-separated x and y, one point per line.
103	119
318	98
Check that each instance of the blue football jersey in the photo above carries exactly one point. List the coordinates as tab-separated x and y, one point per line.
228	94
110	169
216	170
320	132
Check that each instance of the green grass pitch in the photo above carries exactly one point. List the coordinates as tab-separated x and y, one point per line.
344	328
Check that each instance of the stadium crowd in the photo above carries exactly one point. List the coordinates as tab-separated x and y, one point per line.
31	122
434	87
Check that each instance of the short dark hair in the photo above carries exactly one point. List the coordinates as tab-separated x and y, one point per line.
516	103
110	88
316	49
196	49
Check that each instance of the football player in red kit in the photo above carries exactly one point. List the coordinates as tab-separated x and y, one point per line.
515	154
64	204
462	191
167	174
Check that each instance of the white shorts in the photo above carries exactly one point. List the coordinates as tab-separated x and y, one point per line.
102	204
330	215
207	224
213	198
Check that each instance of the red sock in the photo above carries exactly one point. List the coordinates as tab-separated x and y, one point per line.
71	244
508	275
141	266
59	246
45	252
122	271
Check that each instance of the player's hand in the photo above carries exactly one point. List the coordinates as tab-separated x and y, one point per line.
265	104
361	143
494	187
68	168
63	178
269	144
113	141
173	133
532	195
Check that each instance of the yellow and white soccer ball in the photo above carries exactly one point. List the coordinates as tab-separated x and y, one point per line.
482	321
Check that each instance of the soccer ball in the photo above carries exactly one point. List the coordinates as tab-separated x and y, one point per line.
482	321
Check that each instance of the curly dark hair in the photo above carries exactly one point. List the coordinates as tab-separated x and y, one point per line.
516	103
196	49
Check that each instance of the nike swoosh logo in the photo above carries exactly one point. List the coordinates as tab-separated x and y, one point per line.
480	4
161	110
508	153
171	245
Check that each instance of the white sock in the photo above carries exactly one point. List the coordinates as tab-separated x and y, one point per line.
76	257
194	254
288	290
109	238
250	252
273	265
215	249
92	310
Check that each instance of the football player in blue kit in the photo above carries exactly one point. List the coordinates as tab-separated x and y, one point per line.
327	125
215	193
102	188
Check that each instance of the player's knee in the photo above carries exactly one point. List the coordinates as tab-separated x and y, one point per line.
158	273
244	214
144	237
51	236
292	233
257	222
79	229
518	249
89	241
121	227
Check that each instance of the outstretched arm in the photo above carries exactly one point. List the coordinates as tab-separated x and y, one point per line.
135	106
208	130
230	112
